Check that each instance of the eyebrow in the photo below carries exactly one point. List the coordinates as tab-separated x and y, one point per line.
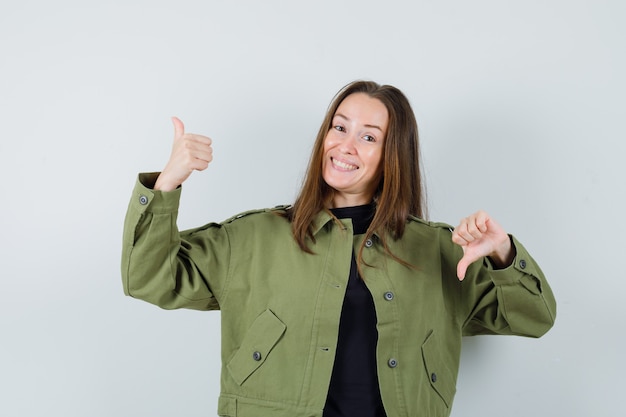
367	125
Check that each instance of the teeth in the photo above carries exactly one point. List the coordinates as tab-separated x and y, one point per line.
343	165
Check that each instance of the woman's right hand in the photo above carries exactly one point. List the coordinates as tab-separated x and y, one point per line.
189	152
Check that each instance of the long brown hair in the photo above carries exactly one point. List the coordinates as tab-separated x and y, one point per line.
400	192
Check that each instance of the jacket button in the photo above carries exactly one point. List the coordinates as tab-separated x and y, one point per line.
522	264
368	243
392	363
256	356
388	296
433	377
143	200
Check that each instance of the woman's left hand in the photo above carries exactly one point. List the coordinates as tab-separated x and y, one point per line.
479	235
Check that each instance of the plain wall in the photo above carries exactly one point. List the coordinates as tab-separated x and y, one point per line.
521	112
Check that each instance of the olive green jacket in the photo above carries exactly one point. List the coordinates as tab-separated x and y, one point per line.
280	306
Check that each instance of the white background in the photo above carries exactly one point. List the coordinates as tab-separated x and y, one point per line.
521	112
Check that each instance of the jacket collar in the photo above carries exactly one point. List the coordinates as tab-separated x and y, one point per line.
323	218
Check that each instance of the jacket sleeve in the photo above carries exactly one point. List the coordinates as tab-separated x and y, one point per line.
515	300
163	266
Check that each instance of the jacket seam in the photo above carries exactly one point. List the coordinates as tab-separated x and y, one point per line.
223	293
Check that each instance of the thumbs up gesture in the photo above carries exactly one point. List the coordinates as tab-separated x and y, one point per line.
479	236
189	152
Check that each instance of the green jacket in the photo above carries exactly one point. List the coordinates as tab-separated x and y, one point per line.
280	306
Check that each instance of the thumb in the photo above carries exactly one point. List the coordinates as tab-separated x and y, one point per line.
179	127
461	267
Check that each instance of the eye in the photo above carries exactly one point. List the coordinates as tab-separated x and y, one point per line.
369	138
339	128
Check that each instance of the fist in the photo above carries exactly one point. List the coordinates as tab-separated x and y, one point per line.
479	236
189	152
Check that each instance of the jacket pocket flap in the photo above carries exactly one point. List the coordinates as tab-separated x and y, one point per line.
257	344
439	376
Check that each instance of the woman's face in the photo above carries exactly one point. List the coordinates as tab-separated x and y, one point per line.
353	149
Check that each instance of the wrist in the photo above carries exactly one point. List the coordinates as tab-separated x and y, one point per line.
163	184
504	254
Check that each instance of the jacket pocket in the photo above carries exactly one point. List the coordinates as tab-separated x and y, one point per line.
256	346
441	380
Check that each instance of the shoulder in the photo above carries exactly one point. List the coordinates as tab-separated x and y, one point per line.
438	234
259	215
418	223
263	230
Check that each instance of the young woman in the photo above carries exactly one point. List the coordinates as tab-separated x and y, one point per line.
346	303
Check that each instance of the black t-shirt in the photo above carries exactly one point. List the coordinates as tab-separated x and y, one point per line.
354	390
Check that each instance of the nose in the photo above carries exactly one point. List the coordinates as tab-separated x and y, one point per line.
347	145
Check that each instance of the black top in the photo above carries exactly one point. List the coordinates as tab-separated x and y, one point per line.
354	390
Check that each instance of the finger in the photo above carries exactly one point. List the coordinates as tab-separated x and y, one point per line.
464	232
204	157
464	263
179	127
198	146
200	153
199	164
461	268
472	228
456	238
199	139
481	221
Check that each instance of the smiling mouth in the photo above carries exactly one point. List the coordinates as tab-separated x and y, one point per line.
343	165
